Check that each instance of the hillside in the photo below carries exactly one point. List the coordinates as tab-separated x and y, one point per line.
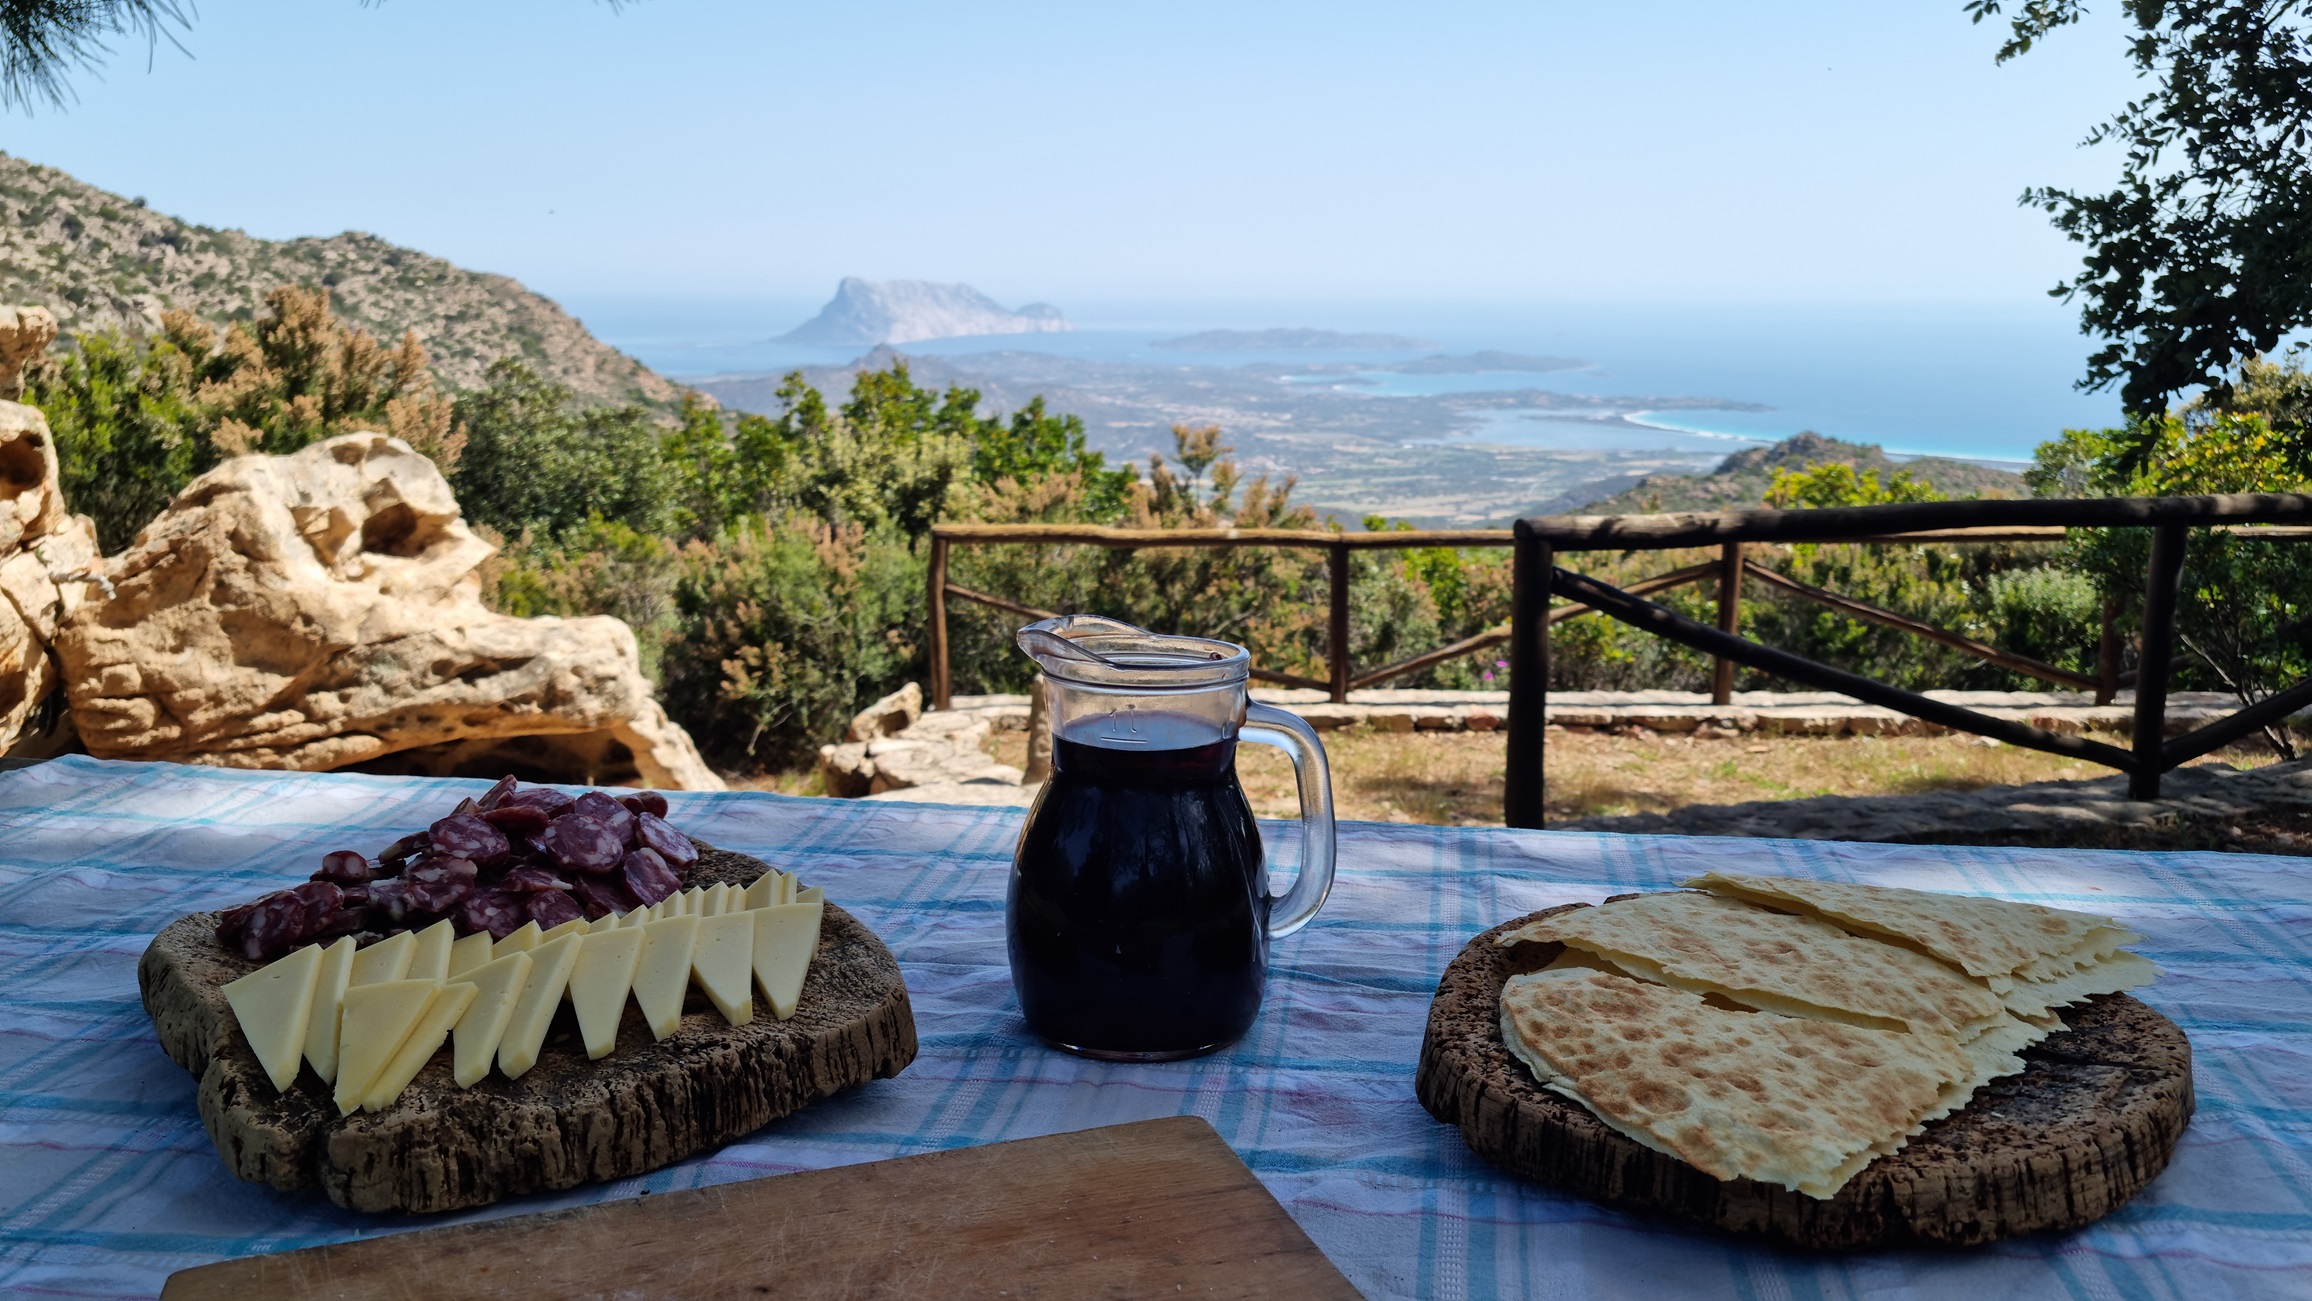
1741	479
100	261
868	312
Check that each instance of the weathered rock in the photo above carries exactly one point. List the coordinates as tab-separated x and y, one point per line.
324	609
889	716
25	333
845	771
46	555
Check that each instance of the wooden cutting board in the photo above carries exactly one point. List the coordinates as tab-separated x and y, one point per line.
2092	1119
1160	1208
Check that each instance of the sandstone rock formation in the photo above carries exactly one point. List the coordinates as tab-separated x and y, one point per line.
324	609
46	555
932	753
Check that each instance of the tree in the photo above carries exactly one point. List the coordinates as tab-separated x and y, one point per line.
40	40
2200	257
533	460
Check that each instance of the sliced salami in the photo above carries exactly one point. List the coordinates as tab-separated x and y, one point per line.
274	927
492	912
648	877
468	836
673	846
602	895
517	820
400	852
551	908
388	903
650	802
439	885
545	799
582	844
345	867
496	794
529	879
610	813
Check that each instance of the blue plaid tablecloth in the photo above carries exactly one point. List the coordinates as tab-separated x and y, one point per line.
107	1182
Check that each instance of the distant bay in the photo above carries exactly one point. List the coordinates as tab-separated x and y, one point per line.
1984	383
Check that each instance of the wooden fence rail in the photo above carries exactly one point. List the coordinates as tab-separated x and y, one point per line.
1538	541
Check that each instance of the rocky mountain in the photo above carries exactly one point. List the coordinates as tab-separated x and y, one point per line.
867	312
100	261
1741	479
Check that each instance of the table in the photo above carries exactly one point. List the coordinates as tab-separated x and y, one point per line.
107	1182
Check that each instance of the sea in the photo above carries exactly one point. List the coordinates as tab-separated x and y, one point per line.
1984	383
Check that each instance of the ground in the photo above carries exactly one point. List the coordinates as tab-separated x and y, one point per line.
1454	778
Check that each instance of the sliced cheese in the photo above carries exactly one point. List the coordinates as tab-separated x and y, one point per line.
534	1011
722	962
763	891
274	1005
789	883
606	922
424	1040
811	894
786	938
469	952
598	985
498	986
430	960
388	959
710	902
662	977
574	926
328	1001
524	939
377	1018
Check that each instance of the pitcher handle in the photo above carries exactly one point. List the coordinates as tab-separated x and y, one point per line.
1291	733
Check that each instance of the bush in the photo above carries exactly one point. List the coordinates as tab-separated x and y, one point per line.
601	567
535	462
785	630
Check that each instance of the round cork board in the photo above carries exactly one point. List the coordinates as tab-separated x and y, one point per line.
2093	1119
568	1120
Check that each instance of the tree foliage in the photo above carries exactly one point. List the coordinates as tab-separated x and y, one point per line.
2200	256
43	40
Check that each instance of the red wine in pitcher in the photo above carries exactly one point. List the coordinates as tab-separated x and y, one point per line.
1138	910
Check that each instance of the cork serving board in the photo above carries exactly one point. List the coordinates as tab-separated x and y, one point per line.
1158	1208
2092	1119
568	1120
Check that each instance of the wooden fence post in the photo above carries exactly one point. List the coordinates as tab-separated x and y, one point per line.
2151	667
1337	627
1729	619
1521	796
2107	656
935	600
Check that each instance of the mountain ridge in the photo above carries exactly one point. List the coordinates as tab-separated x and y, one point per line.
1741	480
100	261
870	312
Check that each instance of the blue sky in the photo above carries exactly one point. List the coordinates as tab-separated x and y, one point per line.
1780	153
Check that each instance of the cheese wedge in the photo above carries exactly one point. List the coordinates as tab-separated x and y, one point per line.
763	891
710	902
786	938
574	926
722	962
430	960
469	952
524	939
606	922
388	959
274	1005
534	1011
425	1039
811	894
789	885
328	1001
598	986
662	976
378	1017
498	987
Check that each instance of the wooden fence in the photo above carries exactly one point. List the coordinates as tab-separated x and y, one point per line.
1539	540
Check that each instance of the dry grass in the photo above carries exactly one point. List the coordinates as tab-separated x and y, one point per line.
1454	778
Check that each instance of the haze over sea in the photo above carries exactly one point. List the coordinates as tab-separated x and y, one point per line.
1983	383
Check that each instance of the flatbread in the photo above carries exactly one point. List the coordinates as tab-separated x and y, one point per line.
1982	937
1796	1102
2122	971
1776	962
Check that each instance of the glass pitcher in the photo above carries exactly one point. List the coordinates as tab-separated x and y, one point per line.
1139	915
